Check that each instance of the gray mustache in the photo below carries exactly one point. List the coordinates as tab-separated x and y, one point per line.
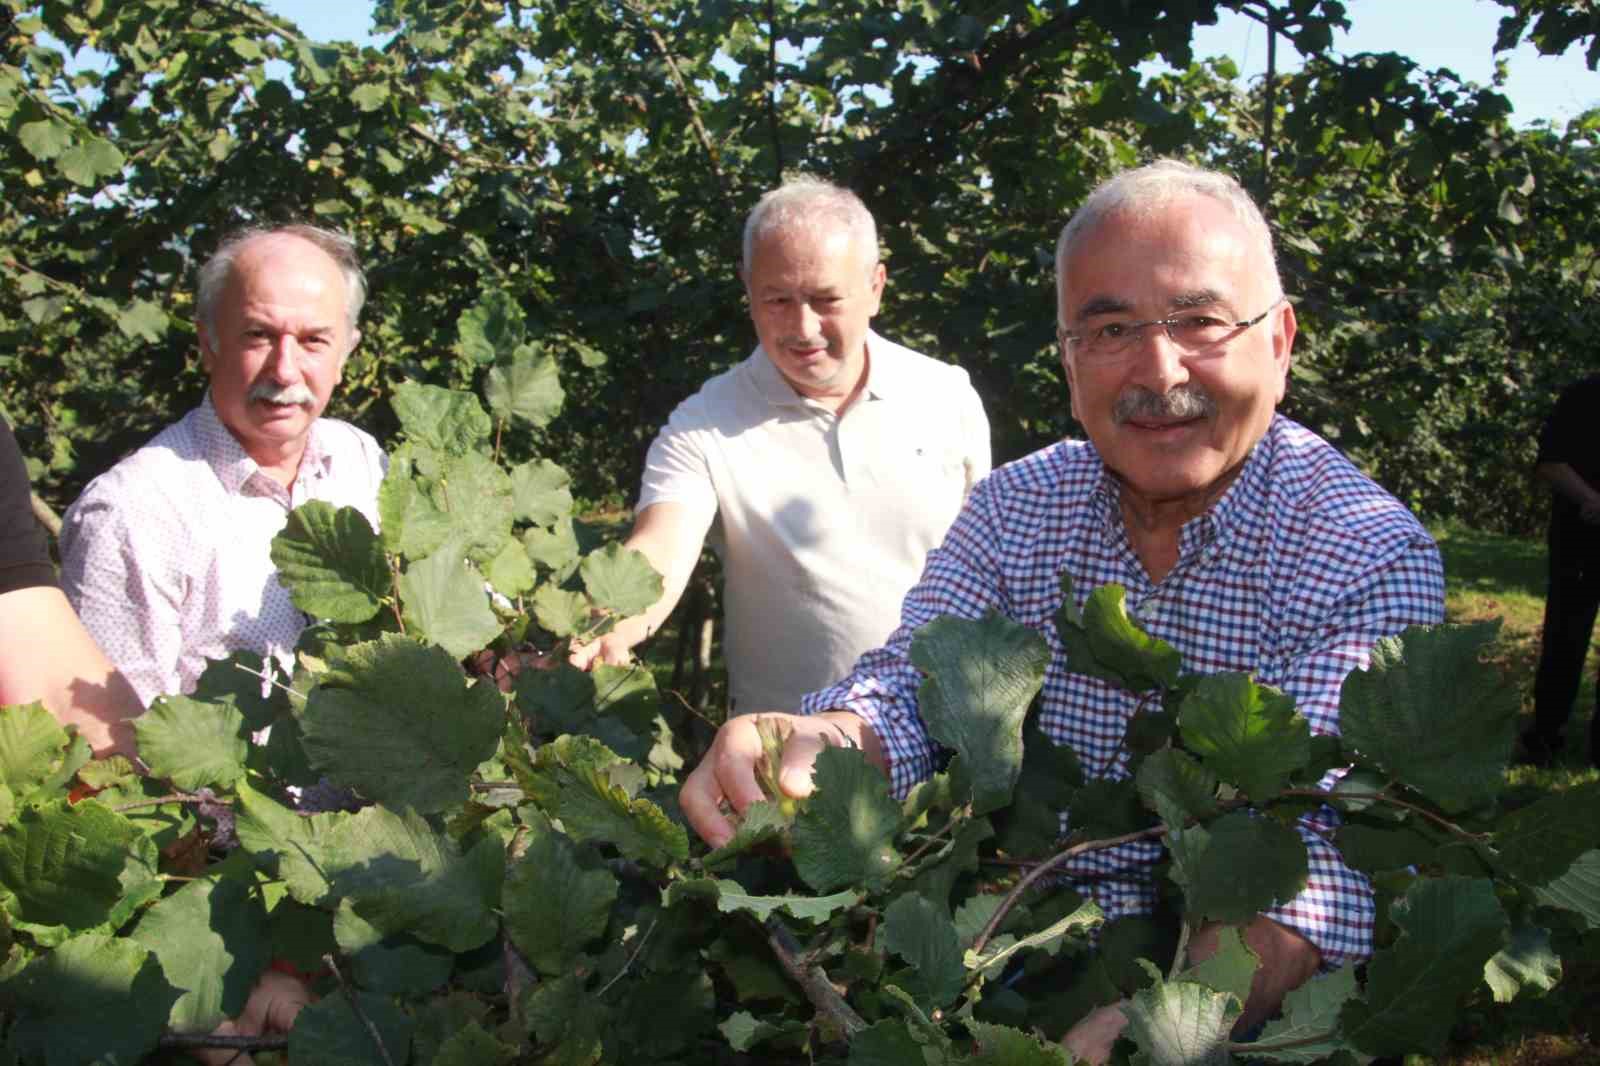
1185	401
296	394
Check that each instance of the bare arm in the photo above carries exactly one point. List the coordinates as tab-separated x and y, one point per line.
47	655
725	781
1569	483
670	535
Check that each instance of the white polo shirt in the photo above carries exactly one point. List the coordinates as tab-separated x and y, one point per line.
823	521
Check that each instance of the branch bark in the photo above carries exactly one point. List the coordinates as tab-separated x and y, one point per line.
812	980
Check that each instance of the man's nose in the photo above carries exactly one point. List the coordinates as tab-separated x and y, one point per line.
284	361
1155	359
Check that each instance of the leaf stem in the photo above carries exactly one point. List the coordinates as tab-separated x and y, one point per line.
1182	950
626	966
355	1006
394	583
1444	823
955	817
176	797
193	1041
1043	868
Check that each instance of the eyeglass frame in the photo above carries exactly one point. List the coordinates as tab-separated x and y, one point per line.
1065	336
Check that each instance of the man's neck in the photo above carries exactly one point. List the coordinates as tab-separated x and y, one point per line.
280	464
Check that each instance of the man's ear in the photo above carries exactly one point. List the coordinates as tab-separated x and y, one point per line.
208	351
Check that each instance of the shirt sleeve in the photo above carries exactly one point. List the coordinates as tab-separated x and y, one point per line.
974	423
677	468
1335	910
131	610
24	552
962	578
1566	433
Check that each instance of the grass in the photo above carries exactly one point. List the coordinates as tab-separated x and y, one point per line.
1487	577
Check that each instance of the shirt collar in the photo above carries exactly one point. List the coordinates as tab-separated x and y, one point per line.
1235	511
232	464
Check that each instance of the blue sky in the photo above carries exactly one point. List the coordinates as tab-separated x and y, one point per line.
1456	34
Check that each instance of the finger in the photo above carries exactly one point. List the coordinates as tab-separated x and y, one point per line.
800	757
701	799
581	655
615	656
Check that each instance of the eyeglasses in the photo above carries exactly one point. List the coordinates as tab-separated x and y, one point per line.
1190	332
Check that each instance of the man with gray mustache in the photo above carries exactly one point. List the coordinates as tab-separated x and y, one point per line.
166	556
1240	537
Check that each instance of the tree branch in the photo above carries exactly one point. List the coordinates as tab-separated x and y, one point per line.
195	1041
683	89
812	980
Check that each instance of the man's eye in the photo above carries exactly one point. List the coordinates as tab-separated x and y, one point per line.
1111	331
1198	324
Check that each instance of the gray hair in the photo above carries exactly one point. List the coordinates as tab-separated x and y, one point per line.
809	202
216	271
1151	187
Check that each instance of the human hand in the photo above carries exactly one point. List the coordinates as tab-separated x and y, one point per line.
610	649
273	1004
725	783
1091	1038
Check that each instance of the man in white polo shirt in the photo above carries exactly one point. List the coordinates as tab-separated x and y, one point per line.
831	459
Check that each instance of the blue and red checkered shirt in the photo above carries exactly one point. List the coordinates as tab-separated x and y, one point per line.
1291	576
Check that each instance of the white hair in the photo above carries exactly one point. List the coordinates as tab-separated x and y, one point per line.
808	202
218	270
1151	187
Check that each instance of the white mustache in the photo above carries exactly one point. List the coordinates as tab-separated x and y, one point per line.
295	394
1184	401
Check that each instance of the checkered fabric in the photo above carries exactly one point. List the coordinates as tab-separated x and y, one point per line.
1291	576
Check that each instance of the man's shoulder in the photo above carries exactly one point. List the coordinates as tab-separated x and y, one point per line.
172	455
1065	470
340	437
905	366
1324	488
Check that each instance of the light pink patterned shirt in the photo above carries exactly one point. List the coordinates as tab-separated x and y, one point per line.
166	556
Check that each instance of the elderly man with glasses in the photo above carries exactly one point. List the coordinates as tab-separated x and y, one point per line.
1242	539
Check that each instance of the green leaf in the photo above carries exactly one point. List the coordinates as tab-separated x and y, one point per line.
1048	939
744	1030
730	897
491	328
528	387
369	96
396	964
413	525
88	162
1539	842
397	721
572	783
1050	776
193	744
472	1046
453	423
1577	890
298	845
558	900
1230	970
981	676
1527	962
762	821
542	493
1309	1027
1432	714
445	603
143	319
887	1043
75	866
919	931
211	940
1373	850
844	834
1247	734
329	1032
236	681
1247	865
1449	928
405	877
511	572
1180	1023
556	549
1177	786
999	1045
331	562
31	744
45	139
1103	641
94	998
560	612
620	579
476	495
566	1017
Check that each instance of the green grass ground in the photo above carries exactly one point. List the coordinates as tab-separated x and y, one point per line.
1487	576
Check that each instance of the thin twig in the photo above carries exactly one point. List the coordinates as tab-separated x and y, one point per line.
1183	949
683	89
176	797
812	980
192	1041
955	817
355	1006
1443	823
394	583
269	679
1043	868
626	966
